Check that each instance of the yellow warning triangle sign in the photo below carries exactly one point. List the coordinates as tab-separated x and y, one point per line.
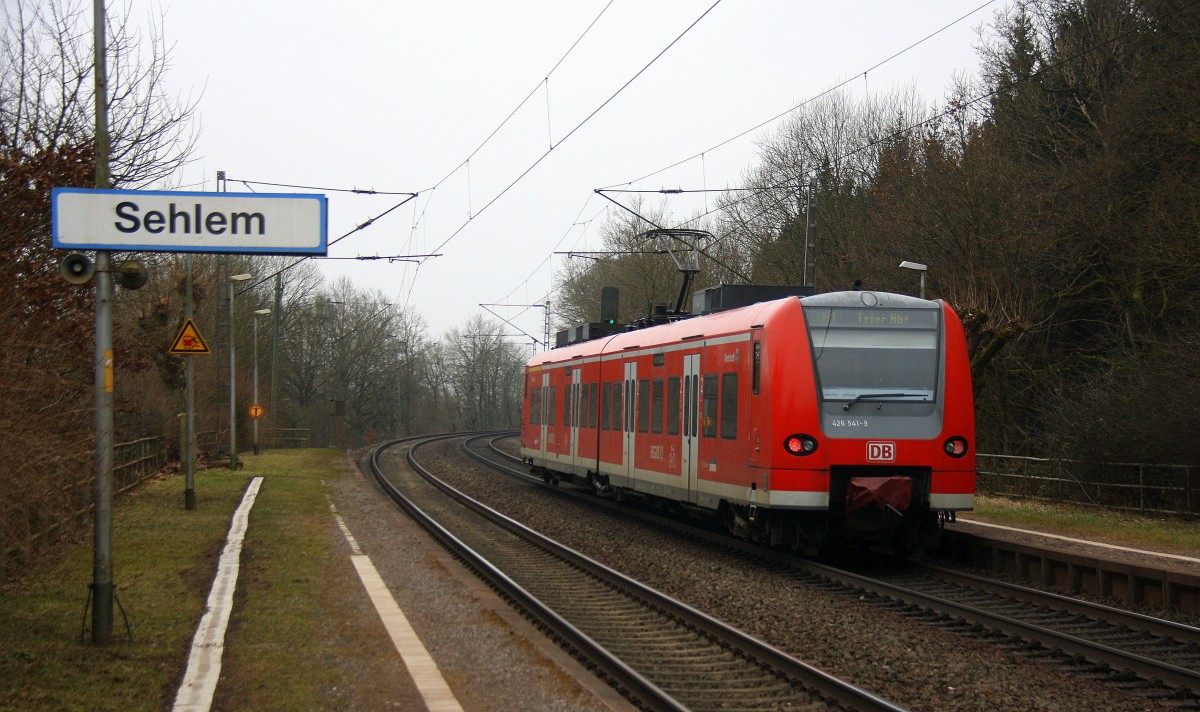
189	340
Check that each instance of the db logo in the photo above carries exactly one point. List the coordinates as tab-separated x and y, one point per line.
881	451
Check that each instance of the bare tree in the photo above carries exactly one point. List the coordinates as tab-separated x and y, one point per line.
485	374
46	131
45	104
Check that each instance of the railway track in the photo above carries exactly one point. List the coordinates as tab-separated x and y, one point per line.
1156	658
661	653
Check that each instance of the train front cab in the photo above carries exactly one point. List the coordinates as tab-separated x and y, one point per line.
889	446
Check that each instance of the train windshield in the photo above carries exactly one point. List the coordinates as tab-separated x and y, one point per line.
875	354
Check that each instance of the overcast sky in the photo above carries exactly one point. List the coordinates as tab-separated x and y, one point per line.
396	95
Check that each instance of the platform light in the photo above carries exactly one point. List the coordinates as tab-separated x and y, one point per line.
917	267
233	458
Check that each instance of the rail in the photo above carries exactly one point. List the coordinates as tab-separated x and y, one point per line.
1142	487
597	612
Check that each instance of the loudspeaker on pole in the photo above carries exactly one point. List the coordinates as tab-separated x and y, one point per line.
76	268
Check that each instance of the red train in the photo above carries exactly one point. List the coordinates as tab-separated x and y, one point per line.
838	417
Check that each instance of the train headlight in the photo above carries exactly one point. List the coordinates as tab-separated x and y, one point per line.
956	446
800	445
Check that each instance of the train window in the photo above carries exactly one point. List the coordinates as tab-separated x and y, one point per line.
673	405
693	413
710	406
605	396
876	354
643	406
660	359
535	407
656	406
757	366
585	404
567	405
616	407
591	417
630	395
551	402
729	395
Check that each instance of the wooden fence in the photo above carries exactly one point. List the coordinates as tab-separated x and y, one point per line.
1141	487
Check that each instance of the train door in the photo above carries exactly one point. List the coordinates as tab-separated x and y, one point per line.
630	411
545	411
691	421
574	413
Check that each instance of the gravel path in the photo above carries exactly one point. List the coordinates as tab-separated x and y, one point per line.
907	662
491	657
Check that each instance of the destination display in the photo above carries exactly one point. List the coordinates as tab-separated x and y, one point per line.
870	318
168	221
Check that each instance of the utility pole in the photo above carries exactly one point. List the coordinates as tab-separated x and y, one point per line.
810	235
189	397
102	561
257	417
276	316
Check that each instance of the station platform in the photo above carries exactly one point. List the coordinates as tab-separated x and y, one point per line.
455	644
1129	574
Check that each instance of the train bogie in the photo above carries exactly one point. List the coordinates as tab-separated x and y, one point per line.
797	421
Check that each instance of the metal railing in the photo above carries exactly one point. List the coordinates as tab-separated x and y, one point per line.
289	437
35	522
134	462
1142	487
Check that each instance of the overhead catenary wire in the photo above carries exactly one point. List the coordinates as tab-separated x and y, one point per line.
413	195
953	108
359	191
809	100
541	82
578	126
549	256
617	186
370	221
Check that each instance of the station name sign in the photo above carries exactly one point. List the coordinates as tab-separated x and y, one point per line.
169	221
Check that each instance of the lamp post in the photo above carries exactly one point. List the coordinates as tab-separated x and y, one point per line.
336	419
233	459
257	313
917	267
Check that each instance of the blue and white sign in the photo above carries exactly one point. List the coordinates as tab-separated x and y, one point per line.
167	221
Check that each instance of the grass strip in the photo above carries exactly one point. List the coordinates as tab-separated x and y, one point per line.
279	638
163	561
1180	535
293	634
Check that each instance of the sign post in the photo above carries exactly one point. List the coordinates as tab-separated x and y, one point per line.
189	222
103	220
103	591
